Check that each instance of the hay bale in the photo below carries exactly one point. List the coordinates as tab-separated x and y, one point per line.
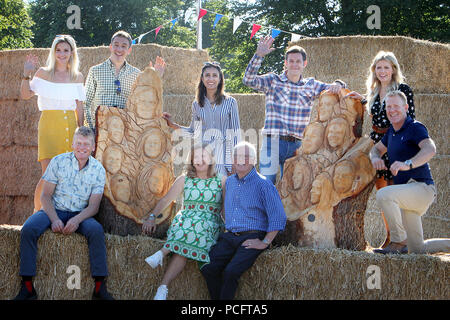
432	111
282	273
19	122
184	63
424	63
15	209
21	170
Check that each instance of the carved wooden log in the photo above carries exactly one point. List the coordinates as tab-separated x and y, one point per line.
331	167
134	145
348	218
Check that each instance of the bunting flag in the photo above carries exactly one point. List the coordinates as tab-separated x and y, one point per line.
255	29
201	13
173	23
157	30
218	17
275	33
236	23
295	37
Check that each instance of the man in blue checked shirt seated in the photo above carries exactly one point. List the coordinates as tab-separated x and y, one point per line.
254	215
71	195
289	99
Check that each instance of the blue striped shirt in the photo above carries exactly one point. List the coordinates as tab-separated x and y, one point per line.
253	203
219	125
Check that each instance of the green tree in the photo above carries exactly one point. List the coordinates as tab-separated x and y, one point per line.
100	19
423	19
15	25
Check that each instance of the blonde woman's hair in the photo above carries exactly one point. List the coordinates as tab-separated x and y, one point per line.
74	62
190	170
373	85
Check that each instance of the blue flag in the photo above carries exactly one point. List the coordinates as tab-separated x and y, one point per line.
218	17
275	33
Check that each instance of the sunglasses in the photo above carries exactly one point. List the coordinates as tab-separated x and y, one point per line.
214	64
119	89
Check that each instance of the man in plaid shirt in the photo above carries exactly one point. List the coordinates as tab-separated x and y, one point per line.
289	99
109	83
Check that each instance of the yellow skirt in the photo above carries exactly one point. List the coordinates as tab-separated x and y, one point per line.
55	132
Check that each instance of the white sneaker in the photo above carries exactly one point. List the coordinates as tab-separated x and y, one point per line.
161	293
155	259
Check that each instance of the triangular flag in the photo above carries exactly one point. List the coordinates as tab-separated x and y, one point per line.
295	37
275	33
157	30
140	37
218	17
236	23
201	13
173	23
255	29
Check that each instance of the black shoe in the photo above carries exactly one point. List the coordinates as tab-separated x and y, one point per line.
102	293
24	294
389	250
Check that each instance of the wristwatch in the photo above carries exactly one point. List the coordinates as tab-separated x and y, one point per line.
151	216
266	241
409	163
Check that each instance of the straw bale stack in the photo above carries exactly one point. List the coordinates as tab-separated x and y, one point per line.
182	65
281	273
19	122
424	63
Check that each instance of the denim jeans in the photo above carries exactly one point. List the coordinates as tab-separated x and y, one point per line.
274	152
39	222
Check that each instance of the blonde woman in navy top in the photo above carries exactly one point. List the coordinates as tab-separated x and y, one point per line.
385	75
215	116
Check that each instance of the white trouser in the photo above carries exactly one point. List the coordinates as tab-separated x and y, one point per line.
403	206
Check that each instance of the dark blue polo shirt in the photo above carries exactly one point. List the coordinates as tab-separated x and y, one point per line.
403	145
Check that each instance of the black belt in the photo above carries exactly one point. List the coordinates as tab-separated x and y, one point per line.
243	232
287	138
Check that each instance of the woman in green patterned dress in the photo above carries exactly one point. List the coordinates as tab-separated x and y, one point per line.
195	229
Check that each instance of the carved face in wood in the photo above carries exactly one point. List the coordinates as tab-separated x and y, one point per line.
312	138
326	105
112	159
120	187
116	128
157	179
321	190
146	102
336	132
299	175
154	143
344	174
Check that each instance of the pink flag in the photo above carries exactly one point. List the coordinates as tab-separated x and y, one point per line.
157	30
201	14
255	29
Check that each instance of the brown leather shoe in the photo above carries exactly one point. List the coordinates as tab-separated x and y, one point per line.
393	248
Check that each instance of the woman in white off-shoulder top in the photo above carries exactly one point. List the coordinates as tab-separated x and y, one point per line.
60	90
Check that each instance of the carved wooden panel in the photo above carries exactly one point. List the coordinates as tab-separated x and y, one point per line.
331	165
134	145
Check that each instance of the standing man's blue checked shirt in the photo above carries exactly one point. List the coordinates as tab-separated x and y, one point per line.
253	203
74	186
288	104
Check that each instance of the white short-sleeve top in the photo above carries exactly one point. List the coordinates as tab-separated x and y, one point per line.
57	96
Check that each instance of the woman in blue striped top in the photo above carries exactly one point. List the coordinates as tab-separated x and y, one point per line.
215	116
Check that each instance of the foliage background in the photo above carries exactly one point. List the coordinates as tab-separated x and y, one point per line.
34	23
